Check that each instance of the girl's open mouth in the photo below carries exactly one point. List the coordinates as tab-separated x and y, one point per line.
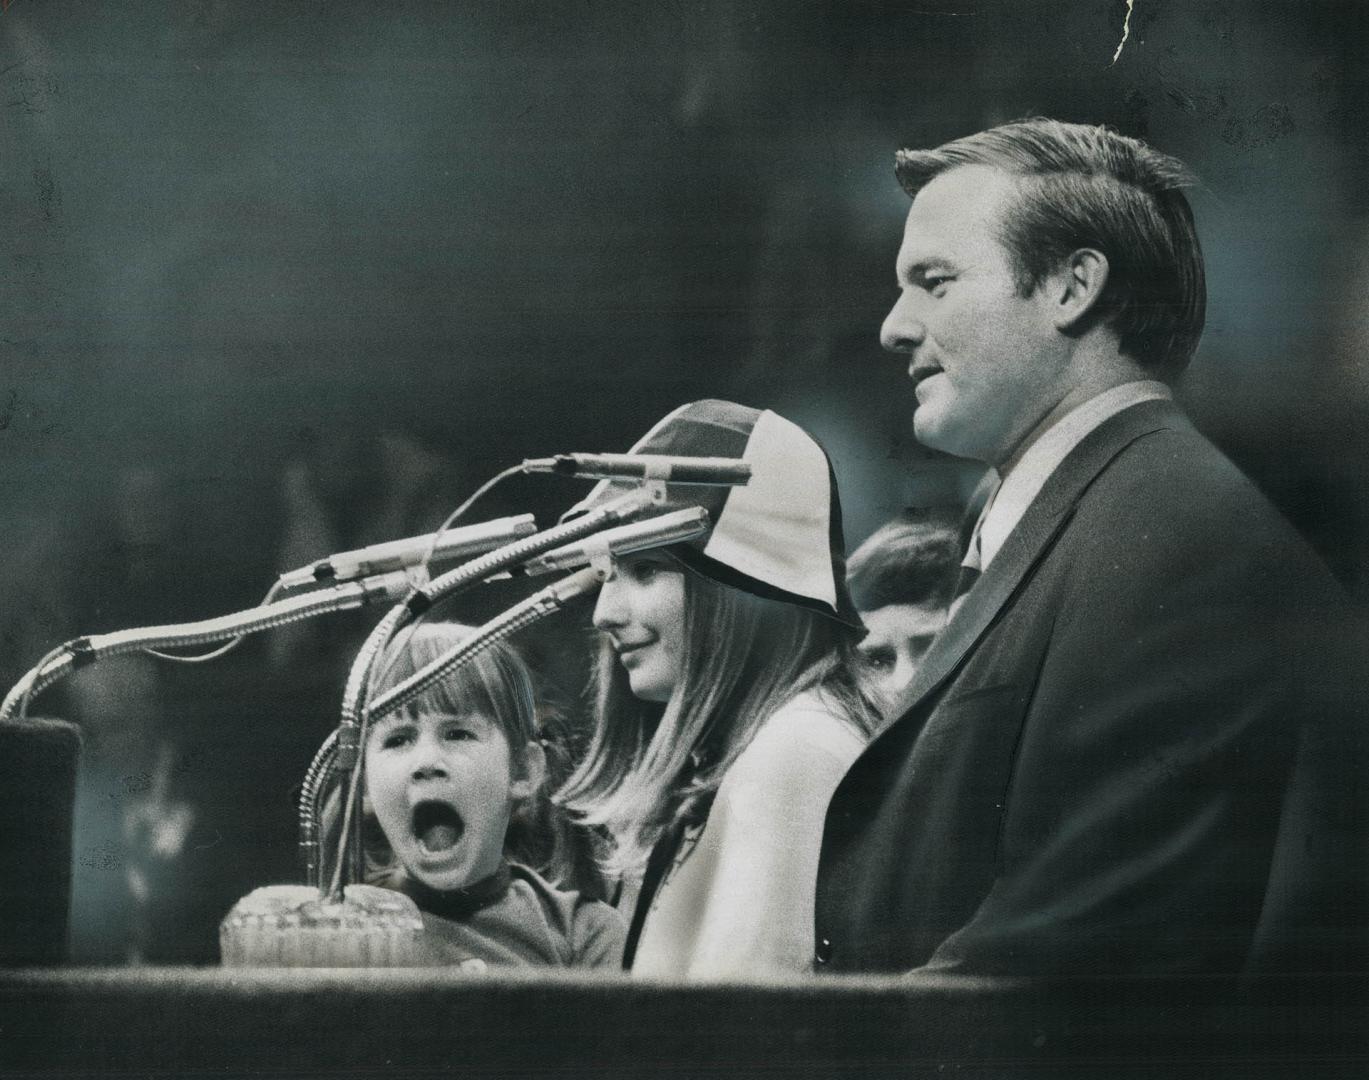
437	826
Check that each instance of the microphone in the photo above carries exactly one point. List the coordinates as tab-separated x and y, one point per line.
658	531
717	471
403	554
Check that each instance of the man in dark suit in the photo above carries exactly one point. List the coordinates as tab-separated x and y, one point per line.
1134	746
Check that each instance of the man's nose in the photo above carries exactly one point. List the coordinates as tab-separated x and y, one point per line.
609	607
902	330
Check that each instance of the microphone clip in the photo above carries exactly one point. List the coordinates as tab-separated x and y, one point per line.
654	489
600	557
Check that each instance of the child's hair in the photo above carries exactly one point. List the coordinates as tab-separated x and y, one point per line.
913	559
496	683
650	765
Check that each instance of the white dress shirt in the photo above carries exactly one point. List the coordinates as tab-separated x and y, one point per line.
1024	480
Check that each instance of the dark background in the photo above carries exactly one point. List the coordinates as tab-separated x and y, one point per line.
279	279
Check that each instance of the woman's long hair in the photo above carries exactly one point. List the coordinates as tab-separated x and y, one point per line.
650	765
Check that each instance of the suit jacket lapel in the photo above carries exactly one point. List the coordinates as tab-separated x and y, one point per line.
1033	538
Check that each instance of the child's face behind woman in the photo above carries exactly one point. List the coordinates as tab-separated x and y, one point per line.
641	609
443	788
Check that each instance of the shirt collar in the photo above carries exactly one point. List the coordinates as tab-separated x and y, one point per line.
1024	480
459	903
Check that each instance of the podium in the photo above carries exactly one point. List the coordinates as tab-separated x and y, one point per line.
38	759
557	1024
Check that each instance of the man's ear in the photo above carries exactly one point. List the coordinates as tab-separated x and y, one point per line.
1076	288
529	771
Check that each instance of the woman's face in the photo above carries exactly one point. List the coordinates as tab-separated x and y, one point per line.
641	609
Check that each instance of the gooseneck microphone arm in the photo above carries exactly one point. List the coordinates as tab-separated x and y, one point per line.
538	606
311	794
74	654
413	551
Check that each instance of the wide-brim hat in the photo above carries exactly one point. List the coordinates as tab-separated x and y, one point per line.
778	536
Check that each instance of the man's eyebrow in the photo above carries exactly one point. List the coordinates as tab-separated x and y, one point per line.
919	269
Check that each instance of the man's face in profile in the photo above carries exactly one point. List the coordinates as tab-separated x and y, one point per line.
899	635
983	358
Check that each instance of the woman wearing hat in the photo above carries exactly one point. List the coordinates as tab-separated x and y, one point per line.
726	706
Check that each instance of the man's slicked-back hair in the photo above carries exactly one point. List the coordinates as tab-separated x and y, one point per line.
1085	186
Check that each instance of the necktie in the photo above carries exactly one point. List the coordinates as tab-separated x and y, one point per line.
969	571
972	565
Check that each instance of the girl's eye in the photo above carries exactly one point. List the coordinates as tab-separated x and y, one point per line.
646	570
459	735
878	658
395	739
